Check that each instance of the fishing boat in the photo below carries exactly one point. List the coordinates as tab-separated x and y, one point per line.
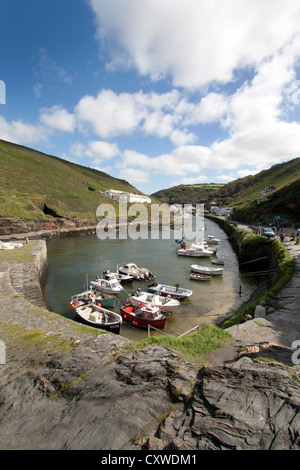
143	316
200	277
99	317
112	286
212	239
87	296
198	251
174	291
206	270
138	273
116	275
141	299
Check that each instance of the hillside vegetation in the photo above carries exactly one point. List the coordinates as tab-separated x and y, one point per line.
244	194
34	185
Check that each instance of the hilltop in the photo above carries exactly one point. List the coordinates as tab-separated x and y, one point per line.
37	186
244	194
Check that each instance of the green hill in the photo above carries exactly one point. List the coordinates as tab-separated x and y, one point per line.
188	194
244	194
34	185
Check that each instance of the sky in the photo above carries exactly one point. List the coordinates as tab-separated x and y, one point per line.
156	92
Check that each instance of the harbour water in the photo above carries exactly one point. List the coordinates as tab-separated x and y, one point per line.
74	262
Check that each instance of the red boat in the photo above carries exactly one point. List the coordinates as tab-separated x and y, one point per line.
143	316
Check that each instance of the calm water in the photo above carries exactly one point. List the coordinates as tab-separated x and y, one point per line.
72	260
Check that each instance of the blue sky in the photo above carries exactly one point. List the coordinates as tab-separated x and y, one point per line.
157	92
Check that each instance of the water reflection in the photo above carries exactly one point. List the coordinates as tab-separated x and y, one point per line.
73	262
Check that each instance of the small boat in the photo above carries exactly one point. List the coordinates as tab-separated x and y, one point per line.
10	245
106	285
200	277
120	277
141	299
206	270
99	317
85	297
138	273
212	239
198	251
174	291
143	316
217	261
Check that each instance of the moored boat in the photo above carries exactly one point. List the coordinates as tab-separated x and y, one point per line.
212	239
84	298
141	299
116	275
133	270
198	251
143	316
217	261
99	317
112	286
174	291
200	277
207	270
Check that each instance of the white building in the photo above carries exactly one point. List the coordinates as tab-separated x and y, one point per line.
268	190
126	196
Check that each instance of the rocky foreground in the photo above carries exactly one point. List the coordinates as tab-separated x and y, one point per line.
102	395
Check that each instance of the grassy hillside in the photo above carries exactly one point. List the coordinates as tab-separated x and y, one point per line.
33	184
188	194
244	194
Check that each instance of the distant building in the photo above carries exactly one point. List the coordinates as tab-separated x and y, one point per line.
268	190
126	196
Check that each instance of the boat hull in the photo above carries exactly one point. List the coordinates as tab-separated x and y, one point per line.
100	318
207	271
167	307
128	315
110	328
168	290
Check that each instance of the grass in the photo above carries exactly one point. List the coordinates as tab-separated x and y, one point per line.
30	179
193	346
285	274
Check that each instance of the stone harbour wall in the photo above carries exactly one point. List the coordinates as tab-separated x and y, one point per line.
66	387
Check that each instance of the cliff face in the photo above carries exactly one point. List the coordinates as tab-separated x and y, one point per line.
66	388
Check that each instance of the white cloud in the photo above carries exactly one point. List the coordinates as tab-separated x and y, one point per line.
98	151
20	132
58	118
195	42
193	180
134	175
109	114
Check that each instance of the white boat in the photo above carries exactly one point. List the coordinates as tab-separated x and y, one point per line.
206	270
116	275
112	286
198	251
174	291
212	239
141	299
138	273
10	245
99	317
200	277
217	261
